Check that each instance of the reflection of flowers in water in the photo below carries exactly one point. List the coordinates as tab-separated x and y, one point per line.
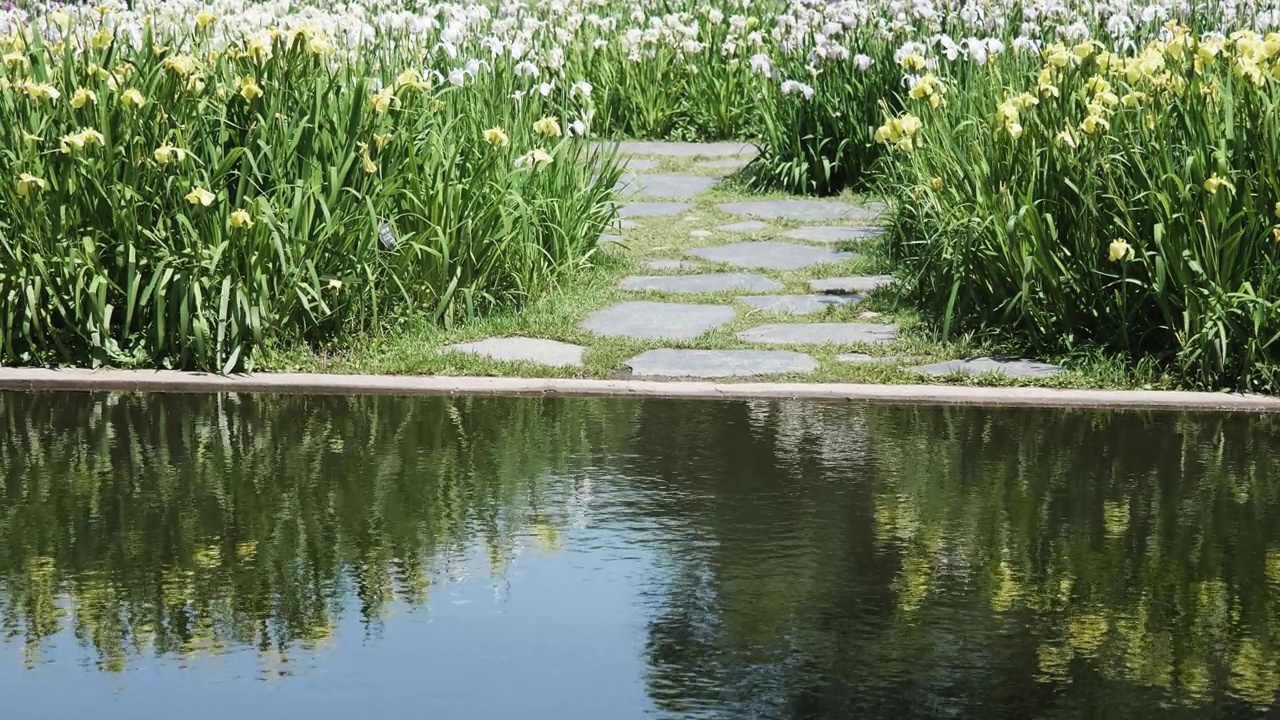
545	533
1086	632
810	430
198	613
1128	644
914	580
1254	675
354	505
1115	517
1146	651
1123	575
38	596
1273	568
897	521
1007	590
1053	660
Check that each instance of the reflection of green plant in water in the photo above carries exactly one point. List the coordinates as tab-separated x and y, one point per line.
825	560
186	525
1154	557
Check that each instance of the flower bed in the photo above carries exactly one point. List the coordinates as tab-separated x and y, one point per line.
181	190
1123	200
187	179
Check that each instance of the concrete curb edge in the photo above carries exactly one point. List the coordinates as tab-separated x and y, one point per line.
34	379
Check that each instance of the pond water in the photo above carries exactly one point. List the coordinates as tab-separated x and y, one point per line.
171	556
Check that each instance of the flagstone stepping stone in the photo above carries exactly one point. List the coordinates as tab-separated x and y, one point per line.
771	255
652	209
664	186
682	149
671	264
865	358
821	334
851	284
719	363
699	233
609	238
800	210
797	304
1010	367
834	234
746	226
699	284
533	350
657	321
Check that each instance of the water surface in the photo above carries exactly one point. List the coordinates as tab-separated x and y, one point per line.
200	557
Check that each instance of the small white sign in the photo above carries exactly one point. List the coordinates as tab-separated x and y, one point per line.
387	236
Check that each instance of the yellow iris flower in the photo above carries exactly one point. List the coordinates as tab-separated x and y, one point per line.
547	126
1119	250
200	196
39	91
1217	182
132	98
167	153
29	184
367	162
83	97
497	137
410	78
535	158
80	140
319	46
183	65
249	88
384	100
1094	123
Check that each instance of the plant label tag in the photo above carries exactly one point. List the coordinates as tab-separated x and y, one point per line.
387	236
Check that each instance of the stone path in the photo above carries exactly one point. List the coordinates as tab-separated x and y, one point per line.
522	349
821	334
746	226
652	209
828	234
670	264
793	245
683	187
797	304
865	358
640	164
657	321
770	255
702	284
719	363
1009	367
810	211
686	150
